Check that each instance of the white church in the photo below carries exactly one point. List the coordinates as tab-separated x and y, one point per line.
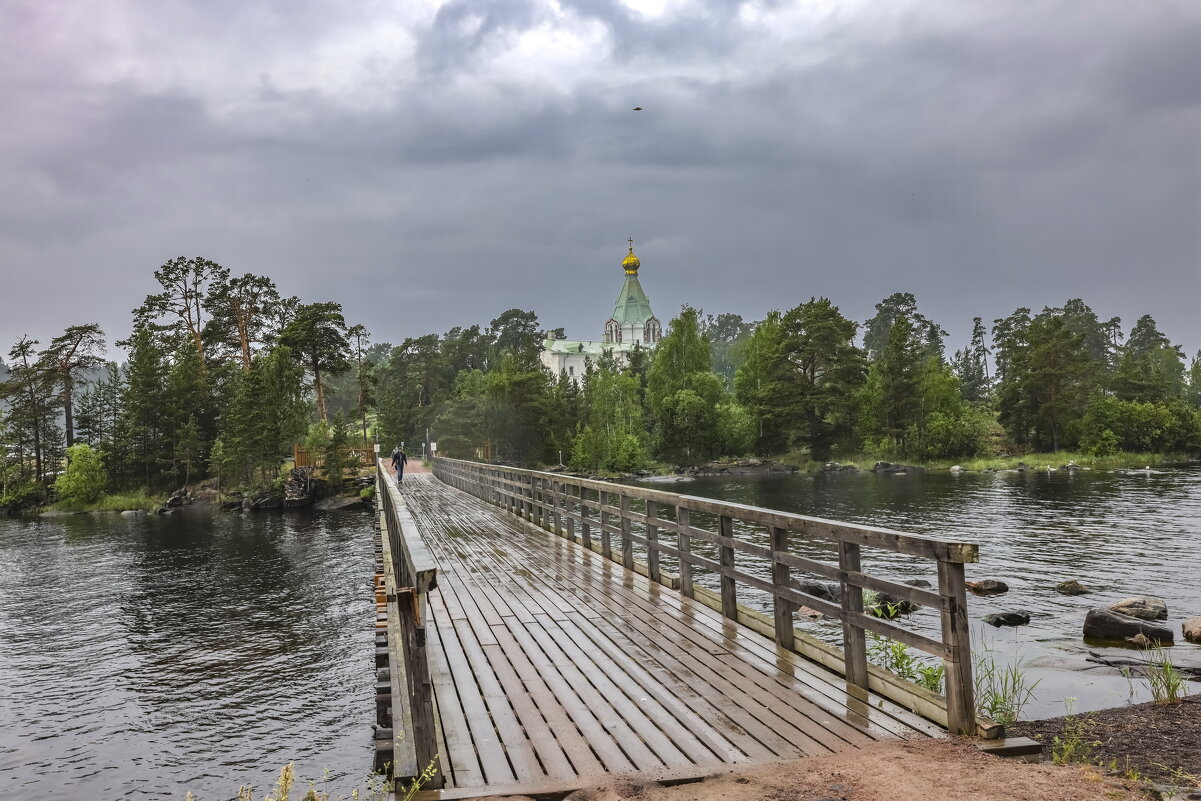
632	323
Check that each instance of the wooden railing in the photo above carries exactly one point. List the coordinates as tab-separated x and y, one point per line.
410	573
692	531
356	455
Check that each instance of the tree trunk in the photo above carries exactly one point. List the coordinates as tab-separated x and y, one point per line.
68	411
320	393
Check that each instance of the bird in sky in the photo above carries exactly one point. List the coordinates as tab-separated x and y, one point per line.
637	108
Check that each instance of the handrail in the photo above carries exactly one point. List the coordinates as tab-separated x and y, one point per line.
603	510
410	573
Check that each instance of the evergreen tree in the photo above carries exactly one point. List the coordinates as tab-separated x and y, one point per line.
822	374
317	338
894	307
143	421
760	383
78	348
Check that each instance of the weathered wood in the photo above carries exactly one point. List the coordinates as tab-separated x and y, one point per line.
854	644
627	543
617	517
782	610
652	541
729	589
961	704
683	549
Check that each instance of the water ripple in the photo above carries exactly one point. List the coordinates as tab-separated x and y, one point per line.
151	656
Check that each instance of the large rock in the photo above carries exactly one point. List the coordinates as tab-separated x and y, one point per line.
1142	608
1071	587
1106	624
1016	618
827	592
988	587
1191	629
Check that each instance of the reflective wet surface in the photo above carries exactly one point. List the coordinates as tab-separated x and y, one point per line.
1122	534
151	656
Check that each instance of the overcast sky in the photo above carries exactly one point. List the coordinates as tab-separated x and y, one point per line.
430	164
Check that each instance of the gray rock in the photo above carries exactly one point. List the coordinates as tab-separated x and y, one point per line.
1191	629
1142	608
922	583
1071	587
134	513
988	587
827	592
1017	618
1106	624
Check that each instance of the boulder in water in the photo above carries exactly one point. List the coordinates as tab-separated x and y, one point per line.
1142	608
988	587
1016	618
827	592
1106	624
1071	587
1191	629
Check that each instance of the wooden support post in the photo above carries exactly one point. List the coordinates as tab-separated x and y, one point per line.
571	493
684	546
780	576
854	643
729	588
627	544
652	542
585	526
961	702
606	539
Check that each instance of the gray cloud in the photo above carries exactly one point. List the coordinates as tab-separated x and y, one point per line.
429	168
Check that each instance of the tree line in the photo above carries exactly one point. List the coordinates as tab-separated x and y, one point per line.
224	374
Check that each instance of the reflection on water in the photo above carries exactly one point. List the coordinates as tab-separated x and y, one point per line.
1121	534
192	652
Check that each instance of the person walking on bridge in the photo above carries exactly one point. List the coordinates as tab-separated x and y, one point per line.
399	460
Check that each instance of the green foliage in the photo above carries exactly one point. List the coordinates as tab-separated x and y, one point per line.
1072	745
335	456
1001	690
317	337
84	480
895	657
1167	684
613	438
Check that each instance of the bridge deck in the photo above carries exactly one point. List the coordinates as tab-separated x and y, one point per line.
552	665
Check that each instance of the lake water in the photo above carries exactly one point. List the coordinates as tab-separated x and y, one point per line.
1121	534
150	656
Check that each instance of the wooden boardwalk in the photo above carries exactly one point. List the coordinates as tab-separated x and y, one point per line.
552	665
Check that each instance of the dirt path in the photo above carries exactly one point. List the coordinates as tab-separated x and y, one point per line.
928	770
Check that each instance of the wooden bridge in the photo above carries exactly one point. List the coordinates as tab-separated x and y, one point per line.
545	630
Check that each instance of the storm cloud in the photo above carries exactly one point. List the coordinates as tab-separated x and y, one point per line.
431	164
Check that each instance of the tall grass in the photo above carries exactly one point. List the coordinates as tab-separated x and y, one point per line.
1001	690
1166	682
113	503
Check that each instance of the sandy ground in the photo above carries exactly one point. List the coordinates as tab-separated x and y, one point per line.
925	770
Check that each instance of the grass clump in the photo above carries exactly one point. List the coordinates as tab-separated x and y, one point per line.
1001	690
1165	681
895	656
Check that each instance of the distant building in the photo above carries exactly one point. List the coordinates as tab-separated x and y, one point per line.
632	323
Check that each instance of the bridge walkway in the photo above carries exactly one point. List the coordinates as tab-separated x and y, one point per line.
552	665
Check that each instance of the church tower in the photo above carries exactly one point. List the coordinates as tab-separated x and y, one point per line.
632	322
632	325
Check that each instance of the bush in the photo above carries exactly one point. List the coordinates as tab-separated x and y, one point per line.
84	479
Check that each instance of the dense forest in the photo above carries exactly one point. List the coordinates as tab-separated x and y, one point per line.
224	374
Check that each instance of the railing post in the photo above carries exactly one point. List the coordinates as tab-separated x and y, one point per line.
961	702
570	494
729	588
854	643
652	542
780	575
627	544
684	546
606	539
585	526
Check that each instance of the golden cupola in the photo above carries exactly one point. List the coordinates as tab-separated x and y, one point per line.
631	263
